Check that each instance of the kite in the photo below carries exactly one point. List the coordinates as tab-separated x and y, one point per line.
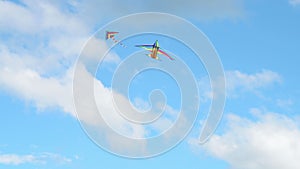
111	35
155	49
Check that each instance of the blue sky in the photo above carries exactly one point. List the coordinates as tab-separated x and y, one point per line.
256	41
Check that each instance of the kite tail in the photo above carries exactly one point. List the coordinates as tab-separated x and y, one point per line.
118	42
124	46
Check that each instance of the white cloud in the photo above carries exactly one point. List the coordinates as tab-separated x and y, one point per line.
105	106
102	134
16	77
43	158
43	31
269	142
19	76
104	130
20	19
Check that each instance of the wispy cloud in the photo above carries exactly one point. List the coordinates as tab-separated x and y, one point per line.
294	2
33	17
238	82
269	142
197	10
40	159
284	103
17	159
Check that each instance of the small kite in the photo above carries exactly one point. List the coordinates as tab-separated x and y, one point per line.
154	50
111	35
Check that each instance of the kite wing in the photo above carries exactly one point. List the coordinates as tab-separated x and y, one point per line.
164	53
146	47
110	35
